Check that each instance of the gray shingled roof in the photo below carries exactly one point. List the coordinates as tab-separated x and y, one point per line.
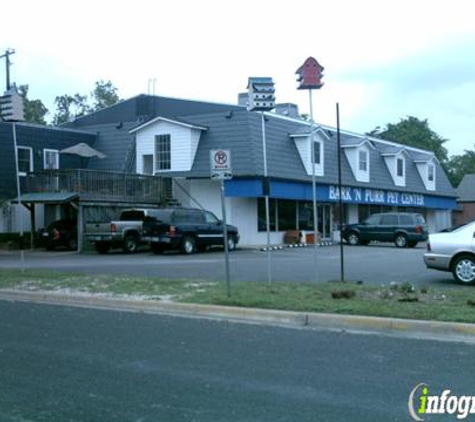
466	189
235	128
241	134
144	107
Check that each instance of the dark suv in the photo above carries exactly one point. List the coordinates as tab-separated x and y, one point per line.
404	229
187	229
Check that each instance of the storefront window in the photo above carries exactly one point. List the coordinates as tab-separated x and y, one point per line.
261	214
287	213
305	213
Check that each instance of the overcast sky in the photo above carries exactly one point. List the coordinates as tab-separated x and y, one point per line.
383	60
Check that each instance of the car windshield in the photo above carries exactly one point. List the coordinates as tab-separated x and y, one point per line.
420	220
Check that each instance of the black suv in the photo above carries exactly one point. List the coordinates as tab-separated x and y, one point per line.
404	229
187	229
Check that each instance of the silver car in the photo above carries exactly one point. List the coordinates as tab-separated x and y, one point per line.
453	251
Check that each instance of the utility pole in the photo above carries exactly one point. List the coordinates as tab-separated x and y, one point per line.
7	55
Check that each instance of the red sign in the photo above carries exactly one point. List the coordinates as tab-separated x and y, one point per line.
310	75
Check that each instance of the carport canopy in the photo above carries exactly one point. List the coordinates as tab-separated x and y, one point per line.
29	200
47	198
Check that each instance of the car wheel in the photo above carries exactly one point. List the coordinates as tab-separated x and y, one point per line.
188	245
400	240
463	269
131	243
353	239
102	247
157	249
231	243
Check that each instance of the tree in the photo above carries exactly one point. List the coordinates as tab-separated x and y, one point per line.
70	107
104	95
35	110
460	165
414	132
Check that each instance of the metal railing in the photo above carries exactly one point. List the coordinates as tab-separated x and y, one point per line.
98	185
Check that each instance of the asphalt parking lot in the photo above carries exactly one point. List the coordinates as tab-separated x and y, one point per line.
373	264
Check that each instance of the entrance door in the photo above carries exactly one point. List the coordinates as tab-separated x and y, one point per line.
324	218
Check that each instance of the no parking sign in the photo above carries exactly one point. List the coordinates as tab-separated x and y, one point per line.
220	163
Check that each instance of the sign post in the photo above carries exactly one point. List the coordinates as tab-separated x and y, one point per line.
309	77
262	98
220	162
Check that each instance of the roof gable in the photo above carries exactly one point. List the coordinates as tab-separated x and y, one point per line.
164	119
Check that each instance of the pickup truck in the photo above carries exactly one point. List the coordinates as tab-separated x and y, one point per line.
125	233
186	229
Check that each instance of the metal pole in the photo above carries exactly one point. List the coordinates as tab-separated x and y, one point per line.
340	200
266	198
225	235
314	190
18	189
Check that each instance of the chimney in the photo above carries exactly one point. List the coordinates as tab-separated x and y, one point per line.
243	99
287	109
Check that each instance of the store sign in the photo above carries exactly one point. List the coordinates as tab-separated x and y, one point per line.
375	196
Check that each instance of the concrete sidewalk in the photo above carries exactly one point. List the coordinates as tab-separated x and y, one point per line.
442	331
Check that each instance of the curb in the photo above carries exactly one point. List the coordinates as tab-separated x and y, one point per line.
294	245
448	331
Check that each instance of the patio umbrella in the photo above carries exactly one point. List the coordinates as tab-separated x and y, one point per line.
83	150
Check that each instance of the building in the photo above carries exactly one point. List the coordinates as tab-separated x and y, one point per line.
38	149
172	139
376	175
466	201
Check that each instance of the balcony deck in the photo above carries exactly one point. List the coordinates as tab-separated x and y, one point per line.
99	185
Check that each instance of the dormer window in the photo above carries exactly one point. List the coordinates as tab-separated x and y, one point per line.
311	148
431	173
395	159
400	167
363	160
426	166
164	145
358	152
162	152
317	153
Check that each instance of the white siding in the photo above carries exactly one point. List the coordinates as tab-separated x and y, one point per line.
183	141
10	218
241	212
423	169
304	147
438	220
352	213
352	155
391	163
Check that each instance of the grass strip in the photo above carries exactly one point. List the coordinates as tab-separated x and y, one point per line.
399	301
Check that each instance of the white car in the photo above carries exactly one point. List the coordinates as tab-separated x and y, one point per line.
453	251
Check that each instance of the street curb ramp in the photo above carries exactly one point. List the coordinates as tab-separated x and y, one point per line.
450	331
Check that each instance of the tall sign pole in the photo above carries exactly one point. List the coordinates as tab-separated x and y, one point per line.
19	210
262	98
340	199
310	78
220	166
